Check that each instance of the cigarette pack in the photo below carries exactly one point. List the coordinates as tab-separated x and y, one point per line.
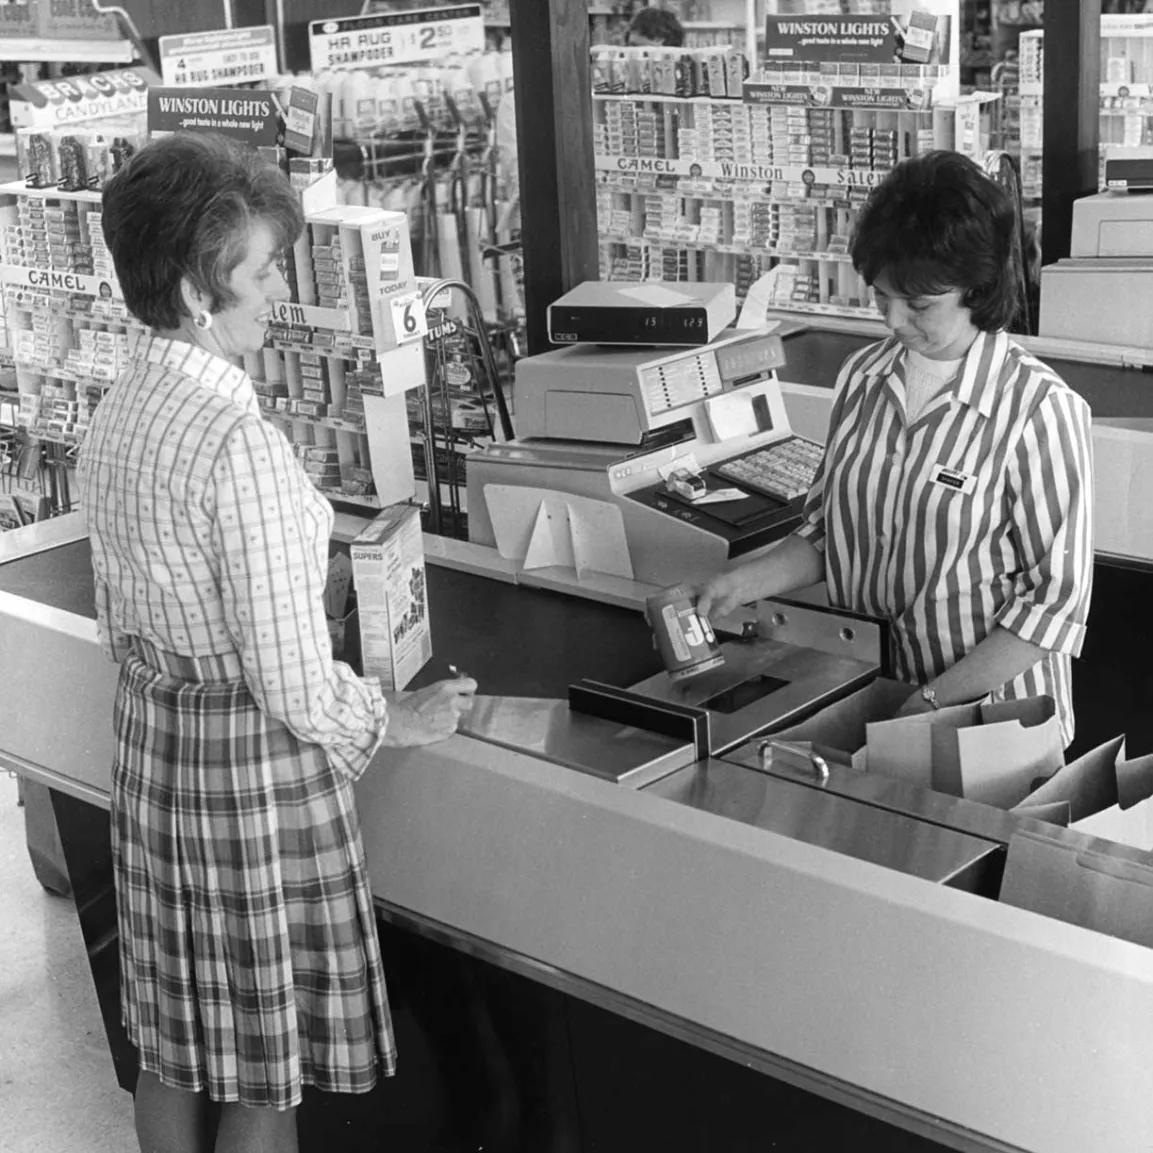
919	37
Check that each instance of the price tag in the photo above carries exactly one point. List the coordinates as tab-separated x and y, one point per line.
227	56
395	37
309	316
409	321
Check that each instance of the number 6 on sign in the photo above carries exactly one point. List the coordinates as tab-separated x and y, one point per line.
409	321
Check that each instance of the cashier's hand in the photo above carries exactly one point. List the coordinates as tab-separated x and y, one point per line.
428	715
722	594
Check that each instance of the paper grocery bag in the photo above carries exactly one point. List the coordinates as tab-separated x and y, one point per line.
997	761
905	747
1103	795
991	752
837	732
1101	891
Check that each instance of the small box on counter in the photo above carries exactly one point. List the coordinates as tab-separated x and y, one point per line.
388	572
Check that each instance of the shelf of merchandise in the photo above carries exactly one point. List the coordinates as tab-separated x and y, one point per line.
665	98
746	171
1128	100
725	249
44	50
794	187
19	188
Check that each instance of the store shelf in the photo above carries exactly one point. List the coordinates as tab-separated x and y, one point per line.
664	98
844	311
728	249
370	502
19	188
332	423
749	171
878	95
1114	89
1142	91
42	50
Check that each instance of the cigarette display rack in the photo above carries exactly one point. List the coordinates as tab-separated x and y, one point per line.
66	330
732	181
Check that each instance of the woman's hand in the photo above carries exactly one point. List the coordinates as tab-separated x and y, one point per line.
792	564
721	594
428	715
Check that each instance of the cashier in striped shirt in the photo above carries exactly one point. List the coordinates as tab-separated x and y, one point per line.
955	494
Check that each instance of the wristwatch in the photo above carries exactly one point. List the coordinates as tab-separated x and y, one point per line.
929	696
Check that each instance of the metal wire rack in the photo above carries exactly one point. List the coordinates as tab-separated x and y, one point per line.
441	442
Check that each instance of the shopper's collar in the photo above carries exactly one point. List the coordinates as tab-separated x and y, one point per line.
173	350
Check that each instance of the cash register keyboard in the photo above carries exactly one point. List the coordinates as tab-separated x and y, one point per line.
784	470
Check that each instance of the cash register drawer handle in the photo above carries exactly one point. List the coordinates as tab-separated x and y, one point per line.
795	754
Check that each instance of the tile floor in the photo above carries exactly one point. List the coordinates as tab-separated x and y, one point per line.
58	1091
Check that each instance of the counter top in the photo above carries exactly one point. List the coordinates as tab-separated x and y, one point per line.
814	356
476	625
991	1027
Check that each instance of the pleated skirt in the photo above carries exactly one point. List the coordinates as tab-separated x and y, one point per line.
250	964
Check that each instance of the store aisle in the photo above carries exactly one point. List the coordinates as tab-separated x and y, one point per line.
58	1090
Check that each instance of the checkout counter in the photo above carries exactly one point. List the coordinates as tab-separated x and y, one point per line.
727	950
824	961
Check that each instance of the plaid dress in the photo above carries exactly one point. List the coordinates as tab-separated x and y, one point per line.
249	959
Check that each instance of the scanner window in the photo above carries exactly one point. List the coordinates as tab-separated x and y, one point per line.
745	694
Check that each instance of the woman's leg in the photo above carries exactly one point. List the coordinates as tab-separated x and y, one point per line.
170	1120
245	1130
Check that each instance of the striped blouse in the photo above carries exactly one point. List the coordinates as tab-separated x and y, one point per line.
977	514
208	539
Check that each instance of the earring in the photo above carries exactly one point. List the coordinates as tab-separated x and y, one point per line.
203	320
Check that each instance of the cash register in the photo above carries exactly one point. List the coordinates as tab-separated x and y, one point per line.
691	444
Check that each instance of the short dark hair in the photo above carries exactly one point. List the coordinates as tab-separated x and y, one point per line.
657	24
182	207
938	222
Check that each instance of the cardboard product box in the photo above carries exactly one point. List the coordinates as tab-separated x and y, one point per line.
392	601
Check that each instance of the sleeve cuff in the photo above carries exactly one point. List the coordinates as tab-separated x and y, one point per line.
350	758
1044	626
812	533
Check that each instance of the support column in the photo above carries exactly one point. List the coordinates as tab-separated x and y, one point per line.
1072	114
550	45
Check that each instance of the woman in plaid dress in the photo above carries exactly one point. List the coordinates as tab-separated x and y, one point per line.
249	960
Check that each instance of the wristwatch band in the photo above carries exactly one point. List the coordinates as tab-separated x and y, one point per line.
929	696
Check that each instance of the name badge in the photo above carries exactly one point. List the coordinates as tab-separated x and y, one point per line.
950	478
